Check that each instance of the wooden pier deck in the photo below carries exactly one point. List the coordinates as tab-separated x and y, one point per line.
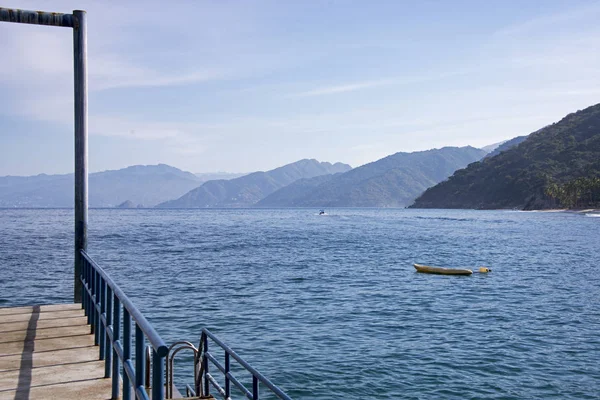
47	352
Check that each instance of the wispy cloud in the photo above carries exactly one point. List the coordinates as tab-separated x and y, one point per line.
540	23
350	87
378	83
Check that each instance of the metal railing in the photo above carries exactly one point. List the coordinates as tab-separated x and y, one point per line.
173	350
204	380
103	302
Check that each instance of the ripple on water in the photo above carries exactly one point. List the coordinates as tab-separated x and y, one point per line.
332	308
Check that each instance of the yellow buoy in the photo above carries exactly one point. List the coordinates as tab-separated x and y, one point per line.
483	270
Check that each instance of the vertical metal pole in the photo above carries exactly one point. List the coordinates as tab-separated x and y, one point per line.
158	376
81	278
102	313
254	388
85	298
227	370
96	308
116	337
92	316
126	353
205	365
139	357
109	321
81	146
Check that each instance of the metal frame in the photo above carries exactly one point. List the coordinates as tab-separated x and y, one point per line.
77	21
204	380
173	350
106	306
109	311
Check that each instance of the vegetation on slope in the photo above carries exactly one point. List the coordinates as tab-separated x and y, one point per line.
519	177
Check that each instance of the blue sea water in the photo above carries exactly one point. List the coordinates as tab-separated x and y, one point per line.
331	307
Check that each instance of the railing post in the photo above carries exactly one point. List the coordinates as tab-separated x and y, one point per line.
91	317
158	376
109	322
81	147
205	367
126	353
82	264
116	336
85	297
96	311
140	354
102	312
227	369
254	388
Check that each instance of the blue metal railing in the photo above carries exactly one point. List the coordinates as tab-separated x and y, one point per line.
204	380
103	302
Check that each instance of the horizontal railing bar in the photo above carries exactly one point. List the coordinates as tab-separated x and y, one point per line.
240	385
155	340
109	332
140	393
215	384
190	390
129	369
119	349
247	366
36	17
215	362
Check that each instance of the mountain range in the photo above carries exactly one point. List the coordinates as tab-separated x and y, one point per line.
559	161
558	165
393	181
145	185
247	190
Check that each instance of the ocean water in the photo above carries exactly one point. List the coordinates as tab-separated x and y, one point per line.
330	307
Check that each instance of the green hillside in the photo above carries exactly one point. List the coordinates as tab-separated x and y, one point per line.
546	170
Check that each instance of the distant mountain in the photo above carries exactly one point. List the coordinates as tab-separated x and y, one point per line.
140	184
211	176
126	204
294	194
249	189
509	144
491	147
394	181
564	155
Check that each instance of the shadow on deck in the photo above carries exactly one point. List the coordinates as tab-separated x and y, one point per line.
48	352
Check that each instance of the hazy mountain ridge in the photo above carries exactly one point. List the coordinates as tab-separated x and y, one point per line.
293	194
519	177
145	185
213	176
247	190
509	144
393	181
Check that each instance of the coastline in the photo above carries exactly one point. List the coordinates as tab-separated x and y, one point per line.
569	210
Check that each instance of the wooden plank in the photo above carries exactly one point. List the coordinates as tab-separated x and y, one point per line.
47	352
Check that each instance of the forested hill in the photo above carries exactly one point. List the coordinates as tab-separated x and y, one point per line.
554	167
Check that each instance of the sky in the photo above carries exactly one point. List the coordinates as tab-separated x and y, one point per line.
245	85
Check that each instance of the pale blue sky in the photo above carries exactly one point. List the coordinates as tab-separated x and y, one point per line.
251	85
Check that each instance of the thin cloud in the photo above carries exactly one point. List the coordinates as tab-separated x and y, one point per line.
549	20
351	87
363	85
